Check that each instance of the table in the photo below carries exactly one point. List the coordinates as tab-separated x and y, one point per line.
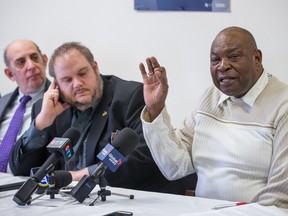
144	203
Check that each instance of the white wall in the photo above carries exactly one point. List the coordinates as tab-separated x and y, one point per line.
121	38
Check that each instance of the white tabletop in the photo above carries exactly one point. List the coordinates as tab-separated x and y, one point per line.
144	203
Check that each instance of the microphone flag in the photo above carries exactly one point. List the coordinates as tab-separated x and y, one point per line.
111	157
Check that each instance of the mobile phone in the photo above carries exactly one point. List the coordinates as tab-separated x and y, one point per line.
119	213
60	99
66	189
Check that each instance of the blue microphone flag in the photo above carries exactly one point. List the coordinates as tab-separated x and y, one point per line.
111	157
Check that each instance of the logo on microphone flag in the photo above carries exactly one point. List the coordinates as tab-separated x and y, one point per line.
111	157
62	145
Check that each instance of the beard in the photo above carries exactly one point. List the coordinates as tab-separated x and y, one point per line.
85	105
96	95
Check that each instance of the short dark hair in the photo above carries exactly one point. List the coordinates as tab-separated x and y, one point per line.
65	48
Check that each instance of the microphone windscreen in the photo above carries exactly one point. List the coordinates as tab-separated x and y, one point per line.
125	141
62	178
73	134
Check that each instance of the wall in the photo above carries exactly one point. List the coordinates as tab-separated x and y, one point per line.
121	38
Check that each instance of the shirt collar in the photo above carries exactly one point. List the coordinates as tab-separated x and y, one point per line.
250	97
35	95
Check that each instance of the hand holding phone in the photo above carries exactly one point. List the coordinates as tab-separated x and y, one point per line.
51	107
60	99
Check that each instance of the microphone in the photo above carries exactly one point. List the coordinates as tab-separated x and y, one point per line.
60	178
55	179
11	186
59	147
112	156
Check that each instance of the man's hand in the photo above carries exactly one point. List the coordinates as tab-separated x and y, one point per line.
51	107
77	175
155	86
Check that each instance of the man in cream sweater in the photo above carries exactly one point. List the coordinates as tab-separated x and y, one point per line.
236	138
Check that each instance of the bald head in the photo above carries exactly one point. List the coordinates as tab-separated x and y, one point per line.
242	35
18	44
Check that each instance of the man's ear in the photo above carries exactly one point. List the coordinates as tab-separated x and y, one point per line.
95	67
45	59
9	74
258	56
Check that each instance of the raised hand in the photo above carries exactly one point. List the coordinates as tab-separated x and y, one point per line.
51	107
155	86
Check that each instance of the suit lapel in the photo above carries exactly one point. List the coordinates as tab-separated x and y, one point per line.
99	121
6	101
63	122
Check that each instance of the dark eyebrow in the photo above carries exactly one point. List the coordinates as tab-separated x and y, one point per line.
32	54
35	53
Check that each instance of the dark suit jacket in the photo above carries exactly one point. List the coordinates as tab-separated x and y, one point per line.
6	100
121	104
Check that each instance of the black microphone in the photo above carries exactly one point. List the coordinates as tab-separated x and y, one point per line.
11	186
60	178
54	180
59	147
112	156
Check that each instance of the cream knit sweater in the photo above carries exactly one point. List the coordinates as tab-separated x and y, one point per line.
237	147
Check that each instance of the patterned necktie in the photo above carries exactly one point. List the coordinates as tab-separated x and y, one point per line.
11	133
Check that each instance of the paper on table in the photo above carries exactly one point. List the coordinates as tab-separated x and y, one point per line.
252	209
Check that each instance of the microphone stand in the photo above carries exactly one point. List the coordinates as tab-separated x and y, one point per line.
51	190
103	193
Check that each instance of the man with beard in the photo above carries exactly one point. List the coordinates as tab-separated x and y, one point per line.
97	106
